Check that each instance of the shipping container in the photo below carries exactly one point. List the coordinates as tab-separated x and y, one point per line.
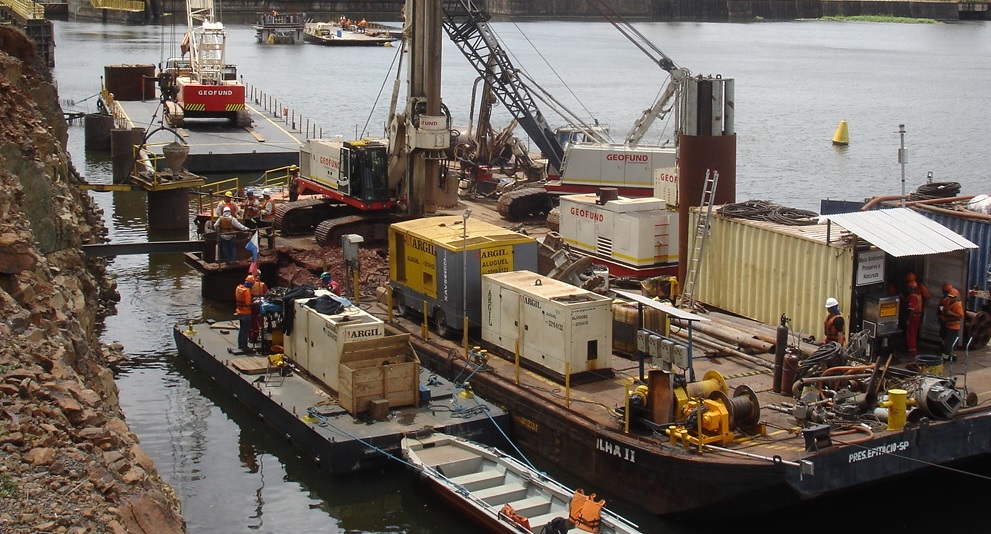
561	329
317	340
439	261
632	236
765	270
761	270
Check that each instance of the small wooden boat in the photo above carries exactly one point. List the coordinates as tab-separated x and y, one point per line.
331	34
503	494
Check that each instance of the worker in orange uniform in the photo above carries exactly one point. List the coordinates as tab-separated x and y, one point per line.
950	314
268	208
242	298
362	25
834	324
258	291
252	207
293	183
914	307
227	202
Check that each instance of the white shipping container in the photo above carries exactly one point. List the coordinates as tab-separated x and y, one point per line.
635	232
317	340
560	327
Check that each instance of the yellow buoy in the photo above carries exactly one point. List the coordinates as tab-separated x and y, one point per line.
841	137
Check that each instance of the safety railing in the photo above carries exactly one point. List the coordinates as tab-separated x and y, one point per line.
26	9
115	109
119	5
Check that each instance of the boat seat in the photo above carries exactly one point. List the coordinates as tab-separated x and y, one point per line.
532	506
486	478
462	467
538	522
500	495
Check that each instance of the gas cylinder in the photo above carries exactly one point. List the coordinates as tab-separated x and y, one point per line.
788	373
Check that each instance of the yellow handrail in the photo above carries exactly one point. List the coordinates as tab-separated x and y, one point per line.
26	9
115	109
119	5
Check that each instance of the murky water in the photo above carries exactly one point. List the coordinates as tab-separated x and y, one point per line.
795	82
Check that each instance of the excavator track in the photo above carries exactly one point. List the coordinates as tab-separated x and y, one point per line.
302	216
526	203
373	228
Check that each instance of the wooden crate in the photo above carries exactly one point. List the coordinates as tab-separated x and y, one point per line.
378	369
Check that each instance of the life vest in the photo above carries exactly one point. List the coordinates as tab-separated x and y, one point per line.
509	513
225	224
951	312
586	512
252	208
269	210
242	296
915	303
258	288
833	333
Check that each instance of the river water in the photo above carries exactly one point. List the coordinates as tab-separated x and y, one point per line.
794	82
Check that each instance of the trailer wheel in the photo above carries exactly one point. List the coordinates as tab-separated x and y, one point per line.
444	330
399	303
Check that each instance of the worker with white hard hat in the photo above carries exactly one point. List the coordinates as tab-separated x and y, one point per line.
268	207
227	226
834	324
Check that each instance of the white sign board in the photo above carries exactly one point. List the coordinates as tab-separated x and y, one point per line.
666	185
870	267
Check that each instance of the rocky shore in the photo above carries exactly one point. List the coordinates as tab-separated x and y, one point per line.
68	461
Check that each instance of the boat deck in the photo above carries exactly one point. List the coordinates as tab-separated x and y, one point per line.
578	428
215	146
310	416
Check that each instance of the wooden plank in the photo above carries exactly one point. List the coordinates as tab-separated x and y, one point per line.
251	365
255	134
375	348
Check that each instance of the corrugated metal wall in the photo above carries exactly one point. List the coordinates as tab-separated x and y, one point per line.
760	273
978	232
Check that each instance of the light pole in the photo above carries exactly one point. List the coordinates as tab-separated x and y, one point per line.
902	158
464	277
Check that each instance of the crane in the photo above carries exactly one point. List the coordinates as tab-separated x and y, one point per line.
577	167
204	85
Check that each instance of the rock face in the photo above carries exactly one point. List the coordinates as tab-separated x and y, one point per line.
68	462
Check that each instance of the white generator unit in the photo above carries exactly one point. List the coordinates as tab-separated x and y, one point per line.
560	328
629	169
316	340
632	236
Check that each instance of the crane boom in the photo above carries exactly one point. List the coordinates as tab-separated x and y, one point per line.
662	60
466	25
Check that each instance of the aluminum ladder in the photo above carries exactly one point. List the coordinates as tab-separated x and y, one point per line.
698	239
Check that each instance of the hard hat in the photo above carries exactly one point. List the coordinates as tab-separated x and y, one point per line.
249	278
947	286
227	211
249	191
912	284
910	277
953	292
830	302
229	194
293	168
267	192
325	276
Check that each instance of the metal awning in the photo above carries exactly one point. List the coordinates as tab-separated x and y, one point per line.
902	232
668	309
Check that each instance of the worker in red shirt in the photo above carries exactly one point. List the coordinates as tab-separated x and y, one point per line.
330	283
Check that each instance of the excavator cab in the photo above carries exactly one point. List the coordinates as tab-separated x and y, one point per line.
367	176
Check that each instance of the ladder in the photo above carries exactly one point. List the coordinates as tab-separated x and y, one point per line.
698	239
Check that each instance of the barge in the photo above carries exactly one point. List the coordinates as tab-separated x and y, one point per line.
380	393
